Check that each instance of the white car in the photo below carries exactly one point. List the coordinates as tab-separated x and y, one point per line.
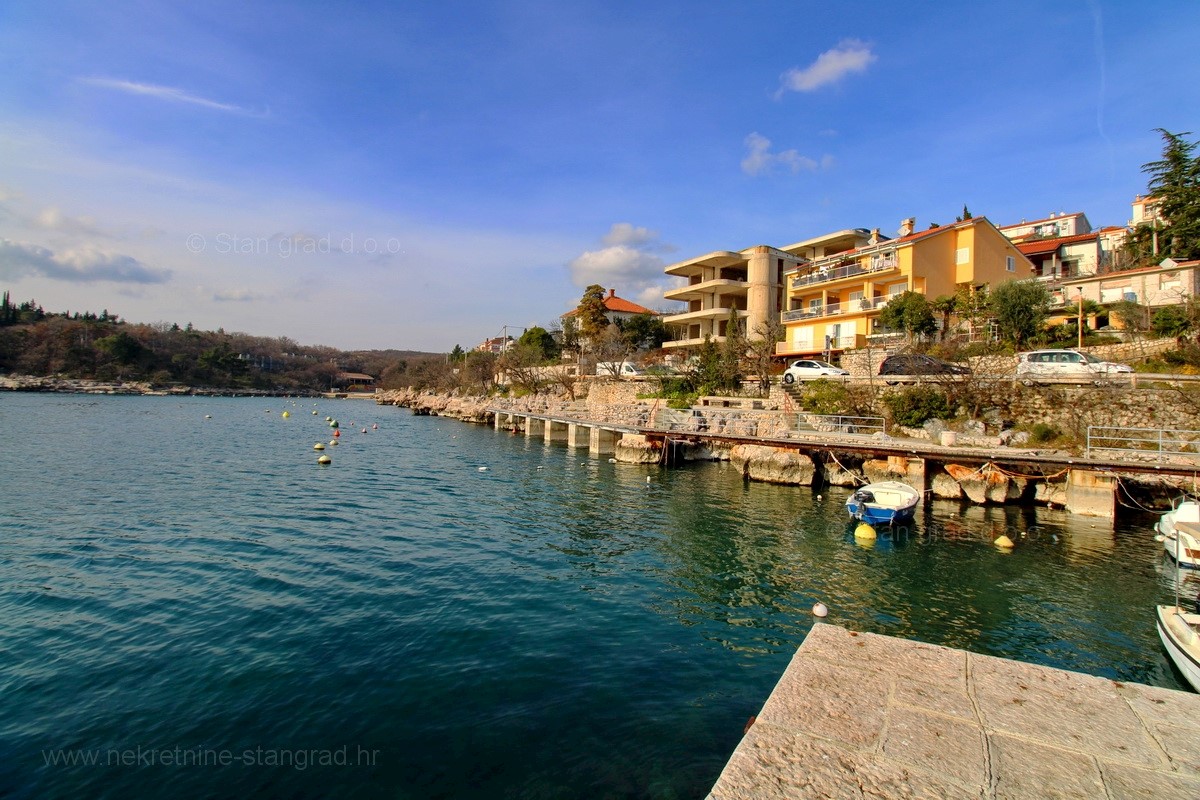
806	369
1065	363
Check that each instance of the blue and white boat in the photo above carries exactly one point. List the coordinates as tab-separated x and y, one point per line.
883	503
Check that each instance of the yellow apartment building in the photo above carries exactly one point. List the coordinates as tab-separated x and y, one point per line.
833	302
749	281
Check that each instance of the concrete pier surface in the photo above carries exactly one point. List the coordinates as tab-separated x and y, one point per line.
859	715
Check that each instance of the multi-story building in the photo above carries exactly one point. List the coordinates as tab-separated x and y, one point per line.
749	282
1055	225
833	303
1060	257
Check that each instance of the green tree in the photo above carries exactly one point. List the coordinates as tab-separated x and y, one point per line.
644	331
540	341
1172	322
1020	309
457	354
946	305
1175	181
121	346
909	312
570	335
592	316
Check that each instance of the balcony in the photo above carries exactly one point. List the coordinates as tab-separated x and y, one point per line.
705	313
833	309
695	291
877	263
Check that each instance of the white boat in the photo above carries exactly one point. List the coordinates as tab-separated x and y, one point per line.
1179	532
883	503
1180	634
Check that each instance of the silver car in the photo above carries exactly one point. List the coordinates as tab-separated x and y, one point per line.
808	368
1065	364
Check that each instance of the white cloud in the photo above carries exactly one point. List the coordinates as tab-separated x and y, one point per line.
168	93
53	219
760	160
625	233
628	263
81	265
850	56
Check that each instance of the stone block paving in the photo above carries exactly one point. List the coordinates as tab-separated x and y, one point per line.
859	715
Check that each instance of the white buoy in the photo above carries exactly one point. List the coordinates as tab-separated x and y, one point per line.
324	460
375	426
333	442
647	479
820	610
818	498
208	416
318	446
364	430
612	461
483	469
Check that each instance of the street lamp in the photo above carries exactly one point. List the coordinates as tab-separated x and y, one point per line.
1079	320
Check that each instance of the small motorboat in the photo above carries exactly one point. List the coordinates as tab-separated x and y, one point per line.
1180	634
1179	532
883	503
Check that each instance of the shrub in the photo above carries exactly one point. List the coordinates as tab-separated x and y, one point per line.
916	405
1041	433
826	397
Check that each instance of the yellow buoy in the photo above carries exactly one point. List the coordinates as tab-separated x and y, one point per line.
324	460
318	446
1004	543
864	532
286	414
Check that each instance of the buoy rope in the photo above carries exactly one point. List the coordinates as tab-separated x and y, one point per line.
843	468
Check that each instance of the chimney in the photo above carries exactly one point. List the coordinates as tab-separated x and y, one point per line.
612	292
907	226
874	236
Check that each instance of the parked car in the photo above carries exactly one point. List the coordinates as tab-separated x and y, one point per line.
917	364
1065	363
807	368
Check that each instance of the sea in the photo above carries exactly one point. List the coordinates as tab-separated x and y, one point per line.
192	607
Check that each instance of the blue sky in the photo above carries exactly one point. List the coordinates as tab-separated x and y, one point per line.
416	175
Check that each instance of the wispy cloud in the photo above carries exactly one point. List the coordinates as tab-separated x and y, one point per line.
237	296
850	56
168	93
760	160
83	265
52	218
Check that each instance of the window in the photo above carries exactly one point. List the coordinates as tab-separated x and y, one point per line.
1010	263
962	255
855	297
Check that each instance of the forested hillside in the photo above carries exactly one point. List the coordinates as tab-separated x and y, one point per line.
104	347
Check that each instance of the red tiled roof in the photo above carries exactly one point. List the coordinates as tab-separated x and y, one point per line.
1039	246
619	305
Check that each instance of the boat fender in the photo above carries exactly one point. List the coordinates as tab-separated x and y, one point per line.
820	610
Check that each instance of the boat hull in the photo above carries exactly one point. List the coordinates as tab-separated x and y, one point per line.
887	503
1177	630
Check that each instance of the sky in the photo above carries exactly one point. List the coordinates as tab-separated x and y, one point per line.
419	175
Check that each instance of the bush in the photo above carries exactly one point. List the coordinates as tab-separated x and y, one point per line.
1041	433
826	397
916	405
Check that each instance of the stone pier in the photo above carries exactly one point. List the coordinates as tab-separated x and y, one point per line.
578	435
556	431
860	715
602	442
1092	494
535	428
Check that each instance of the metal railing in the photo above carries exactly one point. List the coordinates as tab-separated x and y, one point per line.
826	274
1158	444
838	423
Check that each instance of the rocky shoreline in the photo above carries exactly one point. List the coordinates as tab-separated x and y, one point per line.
808	465
34	383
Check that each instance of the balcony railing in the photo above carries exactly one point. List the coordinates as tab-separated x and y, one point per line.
877	263
833	309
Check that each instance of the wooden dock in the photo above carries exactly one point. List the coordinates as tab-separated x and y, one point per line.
859	715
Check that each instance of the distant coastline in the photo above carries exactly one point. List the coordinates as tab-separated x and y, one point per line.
35	383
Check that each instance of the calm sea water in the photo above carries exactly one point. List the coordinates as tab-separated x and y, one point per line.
402	624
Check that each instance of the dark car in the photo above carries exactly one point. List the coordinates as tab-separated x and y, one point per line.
915	364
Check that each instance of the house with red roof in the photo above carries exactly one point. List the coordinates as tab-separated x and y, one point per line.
616	308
